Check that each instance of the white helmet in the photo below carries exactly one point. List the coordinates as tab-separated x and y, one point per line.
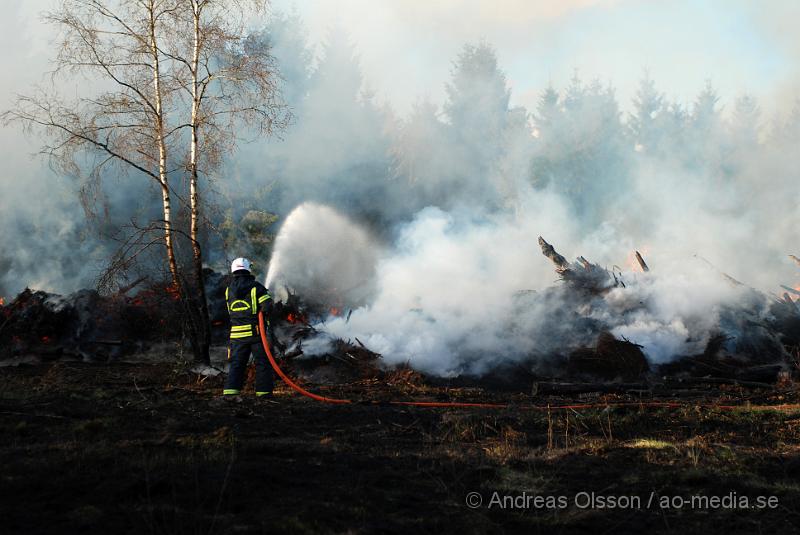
240	263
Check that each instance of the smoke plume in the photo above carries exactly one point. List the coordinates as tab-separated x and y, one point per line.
424	222
454	296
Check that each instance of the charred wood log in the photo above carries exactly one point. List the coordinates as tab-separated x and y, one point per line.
768	373
582	274
128	287
552	388
790	290
788	300
727	277
688	381
609	359
709	365
585	263
550	252
641	261
669	388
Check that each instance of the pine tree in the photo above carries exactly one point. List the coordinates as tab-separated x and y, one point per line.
514	168
745	123
419	139
705	150
644	123
287	38
705	114
547	114
673	124
575	93
582	151
477	109
340	145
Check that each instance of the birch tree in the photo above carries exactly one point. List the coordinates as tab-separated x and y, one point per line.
114	47
231	83
163	68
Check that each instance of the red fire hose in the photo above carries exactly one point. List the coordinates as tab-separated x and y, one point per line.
455	404
324	399
292	384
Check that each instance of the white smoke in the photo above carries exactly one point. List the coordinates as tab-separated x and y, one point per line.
455	294
322	255
447	292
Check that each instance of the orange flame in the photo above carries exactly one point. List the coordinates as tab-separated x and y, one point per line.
173	292
291	317
335	311
2	301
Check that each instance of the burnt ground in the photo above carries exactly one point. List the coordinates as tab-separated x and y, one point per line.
142	448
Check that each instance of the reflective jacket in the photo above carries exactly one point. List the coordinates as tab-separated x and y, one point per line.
245	297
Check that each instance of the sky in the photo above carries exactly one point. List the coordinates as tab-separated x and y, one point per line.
407	46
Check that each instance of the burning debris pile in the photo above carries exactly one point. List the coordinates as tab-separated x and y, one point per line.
753	338
84	325
595	325
339	361
605	325
90	326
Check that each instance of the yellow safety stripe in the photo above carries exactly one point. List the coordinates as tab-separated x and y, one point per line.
259	394
241	335
230	392
240	306
243	331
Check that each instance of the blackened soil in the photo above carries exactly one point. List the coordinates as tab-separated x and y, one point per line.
135	448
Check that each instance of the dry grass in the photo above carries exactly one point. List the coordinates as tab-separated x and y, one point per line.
154	455
649	443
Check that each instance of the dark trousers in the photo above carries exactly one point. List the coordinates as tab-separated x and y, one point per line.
239	357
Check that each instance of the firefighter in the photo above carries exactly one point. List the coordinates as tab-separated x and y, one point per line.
245	297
